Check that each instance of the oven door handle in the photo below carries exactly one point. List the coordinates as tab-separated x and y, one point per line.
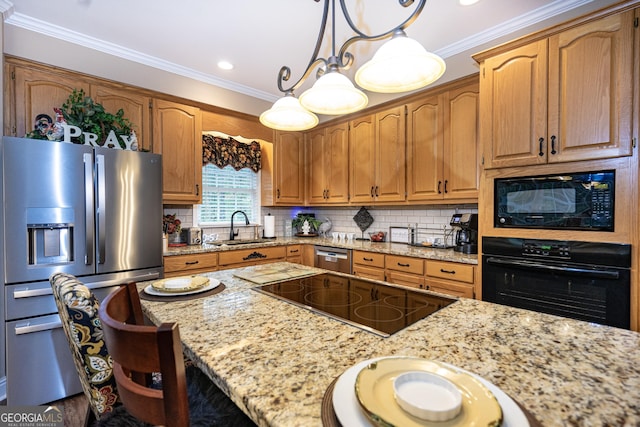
575	271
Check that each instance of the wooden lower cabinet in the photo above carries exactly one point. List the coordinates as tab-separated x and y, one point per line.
369	265
450	278
245	257
180	265
403	270
294	254
405	279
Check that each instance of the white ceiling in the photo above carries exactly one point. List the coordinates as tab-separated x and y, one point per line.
189	37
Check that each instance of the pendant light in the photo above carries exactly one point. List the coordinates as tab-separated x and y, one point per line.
287	114
333	94
400	65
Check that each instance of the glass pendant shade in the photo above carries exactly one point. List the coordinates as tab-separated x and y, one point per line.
287	114
333	94
400	65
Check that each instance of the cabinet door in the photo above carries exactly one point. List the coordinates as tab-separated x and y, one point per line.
177	135
38	92
362	159
425	132
289	166
136	109
390	155
337	163
513	107
591	90
316	159
461	158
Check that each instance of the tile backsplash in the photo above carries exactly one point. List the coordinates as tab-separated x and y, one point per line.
434	218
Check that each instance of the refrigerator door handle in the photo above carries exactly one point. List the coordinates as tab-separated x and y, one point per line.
30	328
25	292
100	209
88	208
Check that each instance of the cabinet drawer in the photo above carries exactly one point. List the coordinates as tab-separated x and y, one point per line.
372	259
294	251
450	271
406	279
252	256
190	262
450	288
368	272
406	264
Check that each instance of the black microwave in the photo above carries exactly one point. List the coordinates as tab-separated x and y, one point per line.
576	201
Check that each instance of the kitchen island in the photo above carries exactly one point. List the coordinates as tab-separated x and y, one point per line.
276	360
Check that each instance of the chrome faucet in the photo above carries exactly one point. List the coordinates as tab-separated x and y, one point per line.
233	234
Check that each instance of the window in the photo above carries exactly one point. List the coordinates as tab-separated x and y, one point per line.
225	191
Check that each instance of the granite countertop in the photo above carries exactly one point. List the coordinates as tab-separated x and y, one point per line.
275	360
365	245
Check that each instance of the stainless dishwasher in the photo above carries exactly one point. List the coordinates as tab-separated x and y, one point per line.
334	259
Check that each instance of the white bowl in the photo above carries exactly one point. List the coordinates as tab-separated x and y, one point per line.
427	396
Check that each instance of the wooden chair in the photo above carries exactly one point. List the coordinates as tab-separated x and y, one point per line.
138	350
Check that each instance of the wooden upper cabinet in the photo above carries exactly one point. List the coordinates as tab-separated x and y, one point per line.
461	166
177	135
513	107
38	92
362	159
136	107
327	171
591	90
289	168
442	145
377	157
390	152
425	148
564	98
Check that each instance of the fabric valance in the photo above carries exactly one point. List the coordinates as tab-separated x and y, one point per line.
227	151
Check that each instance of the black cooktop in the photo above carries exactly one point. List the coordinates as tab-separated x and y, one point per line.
369	305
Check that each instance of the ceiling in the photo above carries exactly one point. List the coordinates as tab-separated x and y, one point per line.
189	37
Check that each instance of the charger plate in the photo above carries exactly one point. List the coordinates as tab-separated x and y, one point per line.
180	284
340	407
374	390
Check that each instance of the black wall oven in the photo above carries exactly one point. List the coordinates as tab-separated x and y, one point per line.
587	281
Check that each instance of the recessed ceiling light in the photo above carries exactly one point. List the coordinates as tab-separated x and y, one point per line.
467	2
225	65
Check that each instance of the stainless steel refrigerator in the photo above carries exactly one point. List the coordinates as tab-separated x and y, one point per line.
95	213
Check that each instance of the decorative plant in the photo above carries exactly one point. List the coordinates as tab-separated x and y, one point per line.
90	116
171	224
299	220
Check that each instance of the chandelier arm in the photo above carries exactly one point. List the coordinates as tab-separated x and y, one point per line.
285	71
345	58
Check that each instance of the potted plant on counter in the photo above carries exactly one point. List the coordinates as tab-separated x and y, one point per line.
306	225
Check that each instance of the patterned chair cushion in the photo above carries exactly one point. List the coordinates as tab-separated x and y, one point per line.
78	310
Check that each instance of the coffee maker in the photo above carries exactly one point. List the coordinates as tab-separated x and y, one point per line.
466	226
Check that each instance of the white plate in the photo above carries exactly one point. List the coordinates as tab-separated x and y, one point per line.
213	283
349	413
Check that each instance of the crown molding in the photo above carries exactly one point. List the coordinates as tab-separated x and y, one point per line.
6	9
511	26
469	43
57	32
